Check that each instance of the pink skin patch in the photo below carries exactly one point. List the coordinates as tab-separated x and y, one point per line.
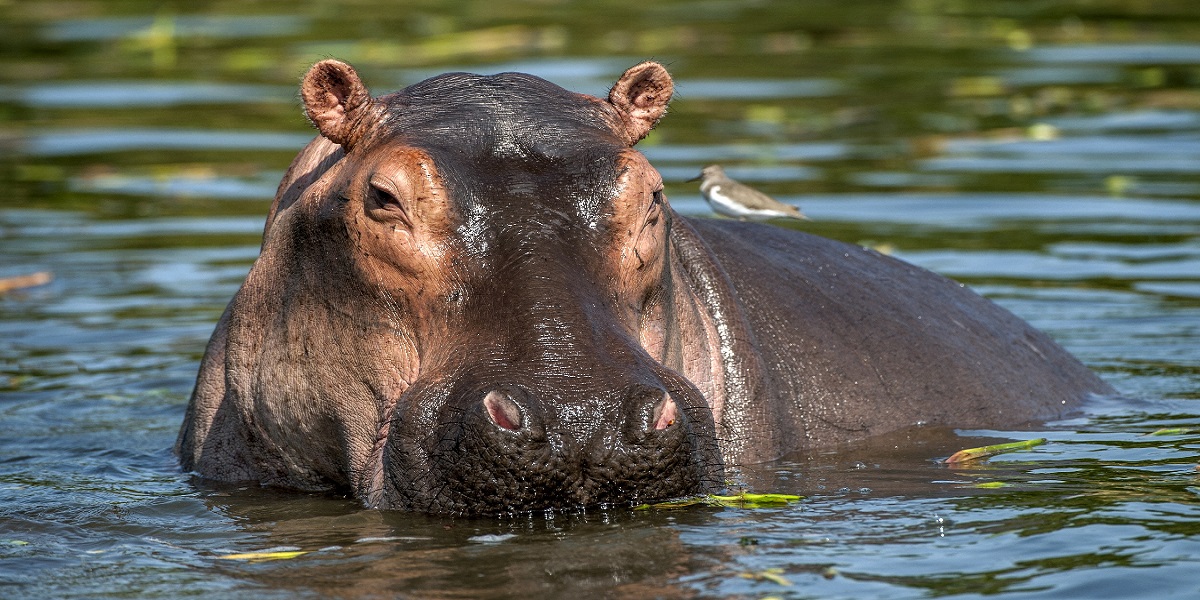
665	414
503	411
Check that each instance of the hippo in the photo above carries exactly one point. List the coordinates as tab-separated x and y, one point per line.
473	298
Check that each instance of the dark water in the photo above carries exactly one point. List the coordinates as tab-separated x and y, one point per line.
1048	154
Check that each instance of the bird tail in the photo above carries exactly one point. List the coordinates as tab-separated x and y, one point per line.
799	215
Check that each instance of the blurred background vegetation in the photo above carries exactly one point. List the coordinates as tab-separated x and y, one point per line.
888	83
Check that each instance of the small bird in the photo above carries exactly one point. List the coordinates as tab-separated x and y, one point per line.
732	199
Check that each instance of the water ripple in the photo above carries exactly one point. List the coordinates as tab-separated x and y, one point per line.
92	141
121	94
210	26
1126	54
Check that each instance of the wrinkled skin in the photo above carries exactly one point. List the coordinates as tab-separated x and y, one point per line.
473	298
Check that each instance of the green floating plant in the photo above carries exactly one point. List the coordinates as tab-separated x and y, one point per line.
740	500
773	575
971	454
991	485
1174	431
263	556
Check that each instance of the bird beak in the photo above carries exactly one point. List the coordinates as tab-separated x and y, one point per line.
696	178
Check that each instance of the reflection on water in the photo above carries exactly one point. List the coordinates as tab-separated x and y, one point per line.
704	154
202	184
1121	54
1049	160
199	26
750	89
1144	119
121	94
94	141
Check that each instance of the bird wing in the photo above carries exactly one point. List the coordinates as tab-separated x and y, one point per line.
754	199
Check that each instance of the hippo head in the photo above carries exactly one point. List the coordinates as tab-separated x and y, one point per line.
462	300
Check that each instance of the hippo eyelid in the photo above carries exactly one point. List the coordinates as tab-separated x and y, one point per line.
655	209
386	203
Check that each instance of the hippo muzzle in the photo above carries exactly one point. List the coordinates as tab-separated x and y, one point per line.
508	450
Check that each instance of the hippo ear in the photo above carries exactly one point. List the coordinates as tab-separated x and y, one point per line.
641	95
337	102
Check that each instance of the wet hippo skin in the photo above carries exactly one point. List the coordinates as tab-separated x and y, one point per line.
474	298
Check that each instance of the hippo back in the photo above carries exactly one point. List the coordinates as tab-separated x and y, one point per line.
854	343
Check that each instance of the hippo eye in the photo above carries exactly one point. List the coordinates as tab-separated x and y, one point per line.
383	205
655	209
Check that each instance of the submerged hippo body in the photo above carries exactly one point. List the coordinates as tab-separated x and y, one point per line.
472	297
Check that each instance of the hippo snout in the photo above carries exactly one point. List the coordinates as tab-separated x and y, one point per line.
503	447
647	410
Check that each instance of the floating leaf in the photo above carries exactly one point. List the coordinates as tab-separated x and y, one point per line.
14	542
1117	185
971	454
1172	431
741	500
772	575
1042	132
1019	40
988	485
749	500
262	556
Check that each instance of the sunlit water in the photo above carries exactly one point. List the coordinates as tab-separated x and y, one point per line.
1051	161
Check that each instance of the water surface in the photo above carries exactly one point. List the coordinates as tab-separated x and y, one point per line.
1049	159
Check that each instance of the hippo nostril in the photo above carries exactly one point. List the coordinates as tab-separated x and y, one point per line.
665	413
504	412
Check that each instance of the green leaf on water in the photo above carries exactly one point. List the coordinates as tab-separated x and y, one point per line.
262	556
741	500
1173	431
749	500
971	454
14	542
988	485
772	575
